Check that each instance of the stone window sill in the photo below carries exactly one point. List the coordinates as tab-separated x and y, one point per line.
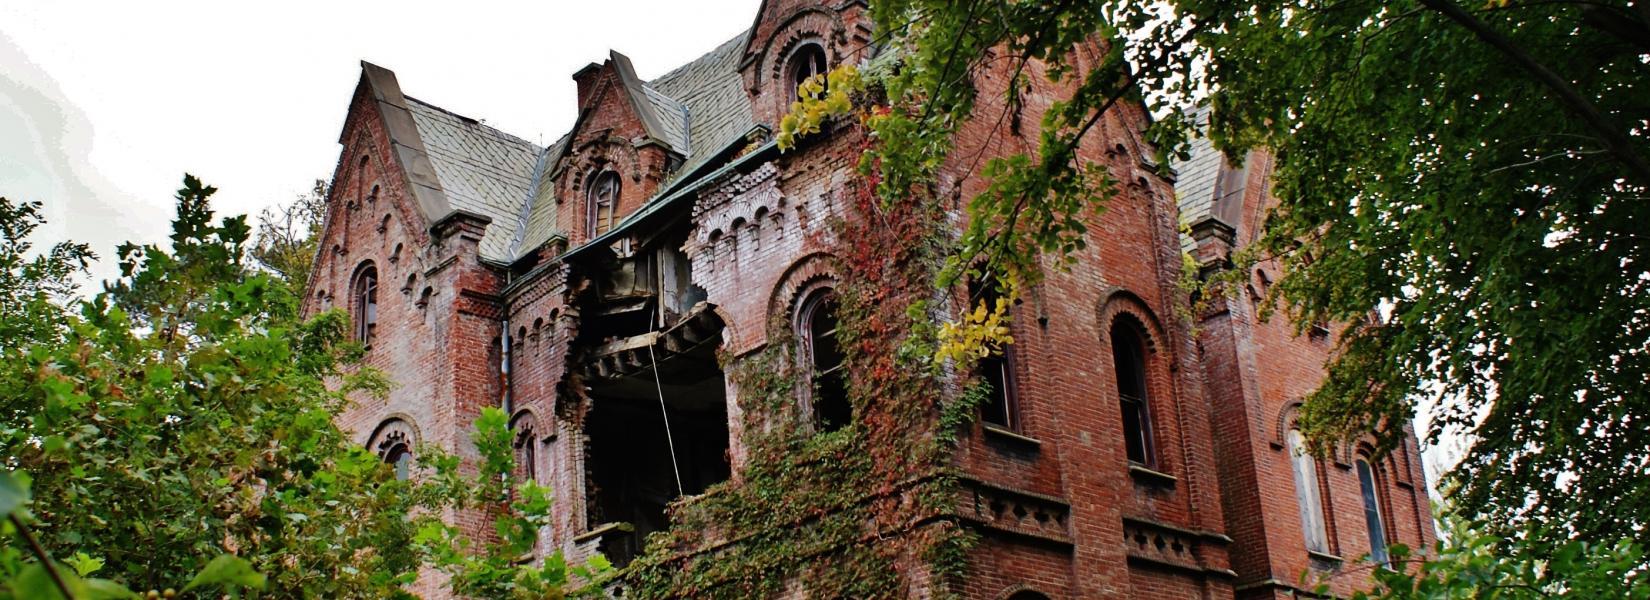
1147	475
1328	560
1005	435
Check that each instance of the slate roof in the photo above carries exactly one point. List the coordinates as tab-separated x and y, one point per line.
482	170
1195	182
701	108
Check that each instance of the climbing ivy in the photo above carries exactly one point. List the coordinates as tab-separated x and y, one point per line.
860	512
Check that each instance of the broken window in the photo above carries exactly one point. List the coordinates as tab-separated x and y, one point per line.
996	371
828	394
602	201
1129	356
365	292
807	61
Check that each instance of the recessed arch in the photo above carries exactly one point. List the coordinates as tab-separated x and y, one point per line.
807	271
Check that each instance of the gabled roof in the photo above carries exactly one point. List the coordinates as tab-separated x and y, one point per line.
699	109
482	170
458	164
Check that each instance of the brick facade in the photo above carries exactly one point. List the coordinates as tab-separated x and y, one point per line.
494	290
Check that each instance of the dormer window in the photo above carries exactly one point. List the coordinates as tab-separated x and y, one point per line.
807	61
601	202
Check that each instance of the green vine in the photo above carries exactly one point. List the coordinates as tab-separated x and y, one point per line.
861	512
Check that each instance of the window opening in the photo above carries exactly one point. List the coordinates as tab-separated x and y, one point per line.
603	198
997	370
829	398
1129	357
1307	493
366	304
808	61
1372	511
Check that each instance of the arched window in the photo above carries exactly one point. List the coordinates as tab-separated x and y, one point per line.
828	394
364	298
526	451
394	444
1307	493
1128	353
807	61
996	371
400	456
602	200
1368	481
1027	595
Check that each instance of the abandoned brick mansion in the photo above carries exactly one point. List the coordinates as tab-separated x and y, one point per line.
674	313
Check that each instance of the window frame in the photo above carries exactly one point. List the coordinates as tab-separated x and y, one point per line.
1369	484
364	302
809	58
813	301
1308	492
605	186
1141	405
1005	396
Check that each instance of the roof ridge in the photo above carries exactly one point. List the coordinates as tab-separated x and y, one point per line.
682	68
478	122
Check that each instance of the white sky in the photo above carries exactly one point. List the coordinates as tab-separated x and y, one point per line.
104	105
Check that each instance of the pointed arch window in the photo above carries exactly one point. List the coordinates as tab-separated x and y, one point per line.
996	371
1307	493
1128	350
807	61
364	298
601	202
828	394
1369	482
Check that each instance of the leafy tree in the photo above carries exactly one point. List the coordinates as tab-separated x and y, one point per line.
287	235
178	433
32	287
1469	562
1474	175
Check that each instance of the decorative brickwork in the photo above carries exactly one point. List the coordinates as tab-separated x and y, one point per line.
649	367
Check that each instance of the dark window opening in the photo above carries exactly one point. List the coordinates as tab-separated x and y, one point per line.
829	391
806	62
526	455
603	200
1001	407
1129	355
401	457
646	434
1372	511
366	304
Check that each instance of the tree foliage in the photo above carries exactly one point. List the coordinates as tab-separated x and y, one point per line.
1471	563
176	432
287	235
1463	184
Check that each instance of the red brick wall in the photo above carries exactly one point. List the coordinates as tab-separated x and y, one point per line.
762	235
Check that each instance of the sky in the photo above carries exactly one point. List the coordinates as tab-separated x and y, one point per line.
105	105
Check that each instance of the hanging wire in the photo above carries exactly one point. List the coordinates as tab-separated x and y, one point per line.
669	439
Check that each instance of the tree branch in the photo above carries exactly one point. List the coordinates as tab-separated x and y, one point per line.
40	553
1618	143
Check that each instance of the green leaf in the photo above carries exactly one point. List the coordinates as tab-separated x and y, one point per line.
229	571
13	493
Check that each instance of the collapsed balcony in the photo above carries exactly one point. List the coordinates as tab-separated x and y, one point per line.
657	425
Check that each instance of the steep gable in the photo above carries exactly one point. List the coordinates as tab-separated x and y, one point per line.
481	170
